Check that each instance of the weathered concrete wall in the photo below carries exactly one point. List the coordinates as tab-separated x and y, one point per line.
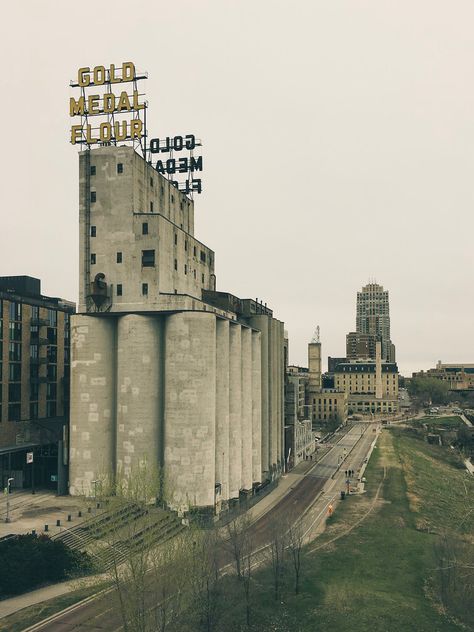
124	202
256	408
235	410
261	323
246	415
190	408
92	435
222	407
139	393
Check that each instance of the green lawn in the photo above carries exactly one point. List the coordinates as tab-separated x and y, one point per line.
449	423
379	577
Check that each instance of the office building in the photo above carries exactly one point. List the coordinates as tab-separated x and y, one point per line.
166	371
34	392
459	377
373	317
325	405
360	346
371	386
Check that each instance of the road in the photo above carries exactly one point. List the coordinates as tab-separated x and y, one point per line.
307	500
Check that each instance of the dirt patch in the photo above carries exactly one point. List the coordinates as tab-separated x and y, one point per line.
414	501
387	455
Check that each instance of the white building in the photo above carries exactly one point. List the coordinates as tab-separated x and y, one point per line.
164	369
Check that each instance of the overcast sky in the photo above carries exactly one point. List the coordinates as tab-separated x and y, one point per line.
338	146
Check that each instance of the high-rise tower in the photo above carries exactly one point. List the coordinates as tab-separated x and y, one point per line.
373	317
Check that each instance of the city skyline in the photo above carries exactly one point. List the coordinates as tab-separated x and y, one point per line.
394	171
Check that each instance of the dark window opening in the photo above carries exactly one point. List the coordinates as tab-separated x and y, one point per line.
119	167
92	170
93	196
202	277
93	258
145	228
151	182
145	289
93	231
119	289
175	264
203	256
175	239
119	257
151	207
148	258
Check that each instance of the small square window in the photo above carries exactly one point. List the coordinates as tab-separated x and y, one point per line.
151	207
93	197
93	231
145	289
145	228
93	258
92	171
119	289
119	167
119	257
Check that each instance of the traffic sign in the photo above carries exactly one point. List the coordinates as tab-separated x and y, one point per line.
29	457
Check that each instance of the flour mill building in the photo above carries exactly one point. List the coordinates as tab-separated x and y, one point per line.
166	371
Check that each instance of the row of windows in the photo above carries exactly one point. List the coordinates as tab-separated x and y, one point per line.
14	410
119	287
202	253
93	169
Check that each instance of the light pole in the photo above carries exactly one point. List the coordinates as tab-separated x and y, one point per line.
9	481
95	489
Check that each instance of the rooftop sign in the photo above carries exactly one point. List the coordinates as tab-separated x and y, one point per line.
112	110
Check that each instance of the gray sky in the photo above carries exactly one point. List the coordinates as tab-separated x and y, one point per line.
339	145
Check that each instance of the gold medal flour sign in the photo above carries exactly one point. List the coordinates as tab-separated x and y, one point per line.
109	108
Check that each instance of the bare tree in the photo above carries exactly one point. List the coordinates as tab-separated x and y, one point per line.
277	549
246	578
236	540
295	539
205	585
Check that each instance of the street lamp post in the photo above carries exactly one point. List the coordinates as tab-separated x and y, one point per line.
9	481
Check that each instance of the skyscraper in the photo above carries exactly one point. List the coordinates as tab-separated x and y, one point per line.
373	317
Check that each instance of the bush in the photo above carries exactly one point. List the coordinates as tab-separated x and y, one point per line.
28	561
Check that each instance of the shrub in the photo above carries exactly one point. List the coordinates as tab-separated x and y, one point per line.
28	561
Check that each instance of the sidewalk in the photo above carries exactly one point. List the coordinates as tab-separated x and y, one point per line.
13	604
